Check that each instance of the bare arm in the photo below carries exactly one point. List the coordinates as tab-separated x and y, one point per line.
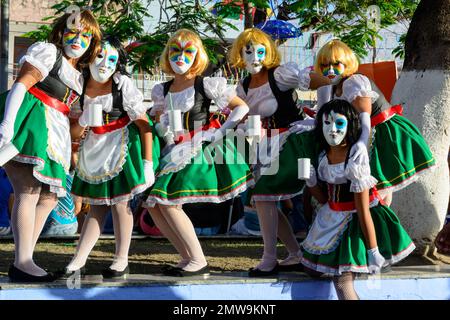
318	80
236	101
365	219
317	193
363	104
29	75
145	132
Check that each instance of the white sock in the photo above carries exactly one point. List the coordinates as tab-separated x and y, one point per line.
26	196
92	228
268	221
181	225
123	229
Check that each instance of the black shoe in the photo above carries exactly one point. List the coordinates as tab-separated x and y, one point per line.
290	267
178	272
166	267
109	273
17	275
253	272
66	274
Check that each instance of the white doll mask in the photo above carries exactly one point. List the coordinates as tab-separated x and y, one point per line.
254	55
334	128
182	56
104	65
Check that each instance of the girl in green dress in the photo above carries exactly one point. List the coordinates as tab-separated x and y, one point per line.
201	165
396	150
117	160
353	232
34	119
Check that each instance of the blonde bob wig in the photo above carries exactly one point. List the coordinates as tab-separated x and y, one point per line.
254	36
336	50
201	59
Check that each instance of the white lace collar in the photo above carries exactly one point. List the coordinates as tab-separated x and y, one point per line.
331	173
182	100
105	100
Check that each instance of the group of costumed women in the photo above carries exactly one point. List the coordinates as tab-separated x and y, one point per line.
361	149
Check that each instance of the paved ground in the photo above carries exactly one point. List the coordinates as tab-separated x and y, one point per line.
147	254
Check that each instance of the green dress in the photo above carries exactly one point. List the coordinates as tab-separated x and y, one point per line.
335	242
194	170
41	127
110	167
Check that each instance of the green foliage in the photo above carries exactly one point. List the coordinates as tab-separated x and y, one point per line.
123	18
188	15
347	19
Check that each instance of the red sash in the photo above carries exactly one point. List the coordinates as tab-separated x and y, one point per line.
386	114
119	123
50	101
349	206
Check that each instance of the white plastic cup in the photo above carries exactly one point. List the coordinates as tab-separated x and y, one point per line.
96	115
175	122
304	167
7	152
254	125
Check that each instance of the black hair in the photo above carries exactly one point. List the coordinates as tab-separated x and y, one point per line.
353	125
123	56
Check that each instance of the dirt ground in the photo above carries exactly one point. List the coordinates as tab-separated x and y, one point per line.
147	255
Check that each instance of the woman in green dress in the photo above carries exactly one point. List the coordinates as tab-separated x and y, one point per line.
34	119
117	160
353	231
200	165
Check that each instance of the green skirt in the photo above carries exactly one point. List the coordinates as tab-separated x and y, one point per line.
350	252
31	138
129	182
398	153
282	183
214	172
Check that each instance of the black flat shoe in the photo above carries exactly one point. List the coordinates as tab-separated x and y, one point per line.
178	272
166	267
66	274
17	275
109	273
253	272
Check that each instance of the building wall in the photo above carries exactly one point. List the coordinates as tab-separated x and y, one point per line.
24	16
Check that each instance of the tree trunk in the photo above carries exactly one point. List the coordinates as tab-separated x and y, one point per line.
248	18
4	44
424	91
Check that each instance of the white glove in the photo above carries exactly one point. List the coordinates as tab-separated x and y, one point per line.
12	105
83	120
375	260
241	129
302	126
120	79
212	135
312	181
358	152
234	118
148	172
165	133
324	95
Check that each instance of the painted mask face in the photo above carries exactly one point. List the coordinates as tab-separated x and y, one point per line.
254	55
76	42
334	128
104	65
182	56
333	71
